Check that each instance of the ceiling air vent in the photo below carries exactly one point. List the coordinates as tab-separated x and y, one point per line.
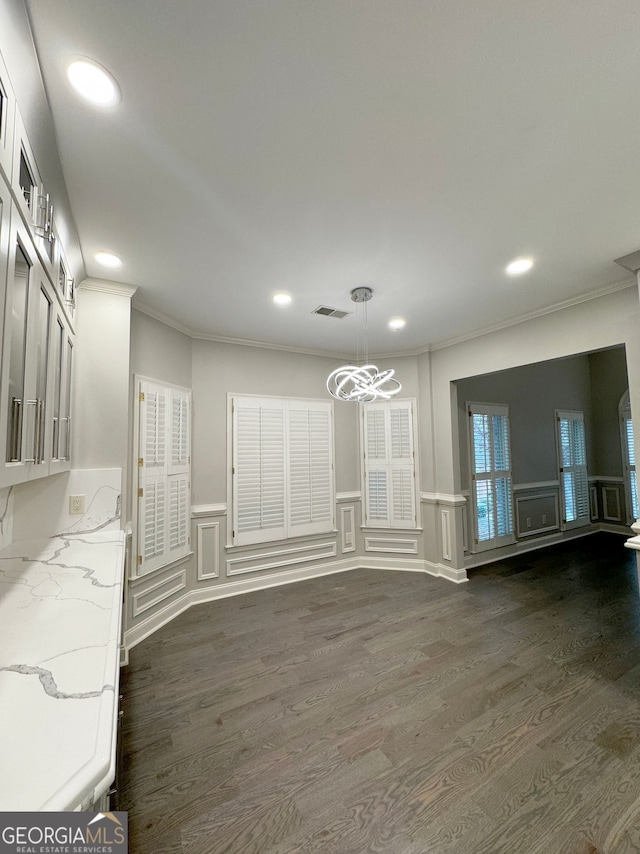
330	312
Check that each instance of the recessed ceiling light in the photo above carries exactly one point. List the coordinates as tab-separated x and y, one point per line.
93	82
397	323
519	266
282	298
108	259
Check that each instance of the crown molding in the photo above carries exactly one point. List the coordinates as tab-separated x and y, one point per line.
143	307
532	315
150	311
107	287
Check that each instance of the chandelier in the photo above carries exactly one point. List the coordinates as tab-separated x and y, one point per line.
362	383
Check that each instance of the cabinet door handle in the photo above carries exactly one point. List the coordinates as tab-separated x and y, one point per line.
34	448
54	438
15	445
39	437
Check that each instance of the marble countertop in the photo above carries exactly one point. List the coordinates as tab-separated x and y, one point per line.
60	615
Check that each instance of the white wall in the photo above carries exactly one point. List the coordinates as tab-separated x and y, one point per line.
219	369
159	352
101	374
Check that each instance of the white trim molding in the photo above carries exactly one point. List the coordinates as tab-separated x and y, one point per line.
443	498
200	511
544	528
172	584
611	514
303	554
445	525
605	478
391	545
540	484
348	496
213	535
107	287
348	529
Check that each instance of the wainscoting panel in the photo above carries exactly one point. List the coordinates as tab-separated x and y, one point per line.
445	522
158	592
390	545
593	502
208	539
537	514
348	529
611	511
280	558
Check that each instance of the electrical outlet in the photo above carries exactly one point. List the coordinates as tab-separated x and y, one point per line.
76	505
544	518
528	522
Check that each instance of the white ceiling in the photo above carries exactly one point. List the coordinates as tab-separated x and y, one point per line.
415	146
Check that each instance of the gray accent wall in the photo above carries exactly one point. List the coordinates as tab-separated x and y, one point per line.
609	381
533	393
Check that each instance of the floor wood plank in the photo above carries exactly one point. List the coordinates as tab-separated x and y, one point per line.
396	713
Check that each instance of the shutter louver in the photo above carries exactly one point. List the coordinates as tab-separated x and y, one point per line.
163	475
491	467
178	512
573	462
153	523
283	469
259	466
390	493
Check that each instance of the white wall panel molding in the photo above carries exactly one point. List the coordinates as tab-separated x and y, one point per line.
201	511
593	502
540	484
208	539
348	496
390	544
611	504
445	527
544	522
455	500
348	529
279	558
158	592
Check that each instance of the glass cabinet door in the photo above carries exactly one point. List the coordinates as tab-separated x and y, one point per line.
56	403
17	305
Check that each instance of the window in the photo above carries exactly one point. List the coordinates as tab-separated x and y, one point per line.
164	474
572	457
629	458
490	455
282	468
389	465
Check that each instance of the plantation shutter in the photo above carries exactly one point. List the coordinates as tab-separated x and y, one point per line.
258	471
402	468
490	458
310	446
573	469
282	469
389	465
377	509
163	475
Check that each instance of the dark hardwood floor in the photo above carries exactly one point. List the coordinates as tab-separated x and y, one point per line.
392	712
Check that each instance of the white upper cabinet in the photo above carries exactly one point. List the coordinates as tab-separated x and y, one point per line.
7	122
31	409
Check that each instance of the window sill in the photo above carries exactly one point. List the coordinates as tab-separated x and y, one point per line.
230	547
